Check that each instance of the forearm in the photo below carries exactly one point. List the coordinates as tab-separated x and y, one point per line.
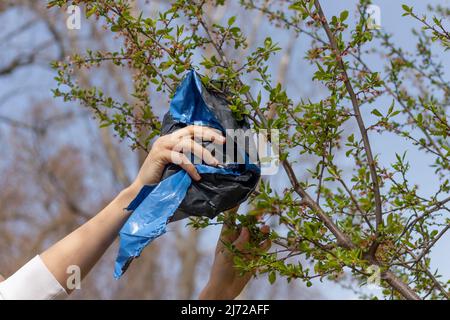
85	246
211	292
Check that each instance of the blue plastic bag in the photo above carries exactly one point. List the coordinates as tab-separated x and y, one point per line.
156	205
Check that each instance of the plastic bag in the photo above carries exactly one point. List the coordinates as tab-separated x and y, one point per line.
177	196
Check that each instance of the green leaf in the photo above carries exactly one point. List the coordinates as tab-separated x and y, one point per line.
116	28
419	119
377	113
390	219
391	107
245	89
272	277
91	12
351	138
231	20
406	8
343	16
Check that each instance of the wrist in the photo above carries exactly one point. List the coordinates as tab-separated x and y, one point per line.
128	194
134	188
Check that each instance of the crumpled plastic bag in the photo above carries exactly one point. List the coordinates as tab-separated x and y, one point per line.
177	196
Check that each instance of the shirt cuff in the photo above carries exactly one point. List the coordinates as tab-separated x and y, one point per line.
32	282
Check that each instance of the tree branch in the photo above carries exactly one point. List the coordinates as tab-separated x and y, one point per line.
342	238
361	126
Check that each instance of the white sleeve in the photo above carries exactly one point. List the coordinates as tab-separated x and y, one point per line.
32	282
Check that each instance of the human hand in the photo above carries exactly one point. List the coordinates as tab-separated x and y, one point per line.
169	149
226	281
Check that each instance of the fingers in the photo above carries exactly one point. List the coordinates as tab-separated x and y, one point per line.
183	140
229	233
244	238
265	229
265	245
241	241
170	147
201	133
189	145
181	160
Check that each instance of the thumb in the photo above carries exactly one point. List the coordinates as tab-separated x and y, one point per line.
243	239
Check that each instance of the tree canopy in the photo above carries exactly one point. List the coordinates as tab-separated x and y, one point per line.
357	216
